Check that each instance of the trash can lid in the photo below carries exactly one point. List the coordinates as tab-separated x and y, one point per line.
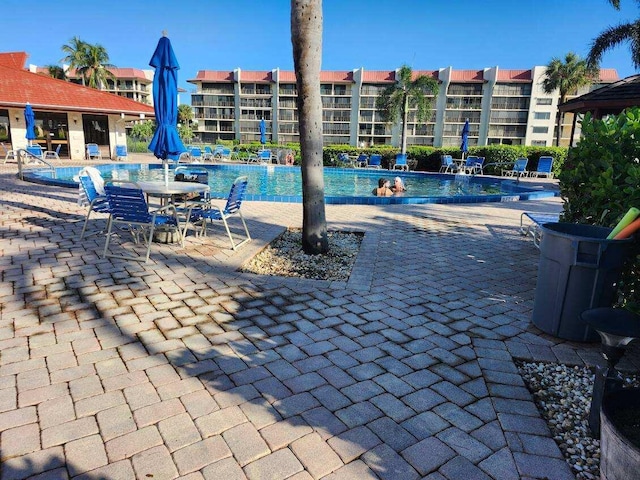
613	321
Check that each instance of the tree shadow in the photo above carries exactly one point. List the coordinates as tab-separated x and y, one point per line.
262	346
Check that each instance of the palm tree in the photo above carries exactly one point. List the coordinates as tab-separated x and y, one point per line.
566	77
614	36
396	100
56	71
76	54
95	68
306	38
185	114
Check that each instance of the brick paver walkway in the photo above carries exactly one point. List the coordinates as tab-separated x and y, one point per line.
186	368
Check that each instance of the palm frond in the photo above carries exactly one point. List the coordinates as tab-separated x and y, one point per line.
612	37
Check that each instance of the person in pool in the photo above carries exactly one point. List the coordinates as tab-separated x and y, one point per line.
398	186
383	189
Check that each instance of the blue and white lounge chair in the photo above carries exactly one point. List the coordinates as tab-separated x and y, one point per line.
535	221
129	208
401	162
207	154
448	165
544	169
52	154
519	168
93	152
196	154
34	151
362	160
200	215
375	161
474	165
121	152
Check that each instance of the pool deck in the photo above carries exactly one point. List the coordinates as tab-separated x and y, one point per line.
186	368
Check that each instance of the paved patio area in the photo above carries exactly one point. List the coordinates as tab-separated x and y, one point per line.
186	368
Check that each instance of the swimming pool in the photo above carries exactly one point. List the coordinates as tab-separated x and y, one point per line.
342	185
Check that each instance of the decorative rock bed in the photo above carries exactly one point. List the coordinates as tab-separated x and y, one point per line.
284	257
563	396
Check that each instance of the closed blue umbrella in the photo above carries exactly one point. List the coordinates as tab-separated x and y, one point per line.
464	146
30	121
166	143
263	132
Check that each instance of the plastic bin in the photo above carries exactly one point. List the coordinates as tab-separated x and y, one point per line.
578	270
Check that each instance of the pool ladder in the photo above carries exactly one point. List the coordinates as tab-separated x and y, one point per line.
29	161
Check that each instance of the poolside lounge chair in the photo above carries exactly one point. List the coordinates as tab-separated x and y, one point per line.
533	226
519	169
207	154
362	160
52	154
474	165
375	161
544	169
129	208
97	202
93	152
121	152
263	156
8	153
200	216
401	162
448	165
195	154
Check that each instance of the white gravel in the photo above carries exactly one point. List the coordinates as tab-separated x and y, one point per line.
563	396
285	257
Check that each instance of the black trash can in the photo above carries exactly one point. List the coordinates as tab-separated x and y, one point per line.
578	270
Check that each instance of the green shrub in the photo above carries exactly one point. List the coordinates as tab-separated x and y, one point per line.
600	181
137	146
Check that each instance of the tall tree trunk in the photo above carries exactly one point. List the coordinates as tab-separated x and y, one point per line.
405	115
559	121
306	38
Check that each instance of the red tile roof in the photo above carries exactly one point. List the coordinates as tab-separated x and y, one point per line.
129	73
287	76
257	77
379	76
427	73
18	86
13	59
467	75
514	75
336	76
212	76
609	75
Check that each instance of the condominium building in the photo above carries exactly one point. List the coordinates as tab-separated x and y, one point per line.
502	106
131	83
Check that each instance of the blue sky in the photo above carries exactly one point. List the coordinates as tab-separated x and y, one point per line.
374	34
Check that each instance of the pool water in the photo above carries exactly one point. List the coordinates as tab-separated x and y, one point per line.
278	183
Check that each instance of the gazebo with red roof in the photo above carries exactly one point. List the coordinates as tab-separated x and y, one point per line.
67	114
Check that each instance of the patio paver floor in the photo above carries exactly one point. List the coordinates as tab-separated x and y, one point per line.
186	368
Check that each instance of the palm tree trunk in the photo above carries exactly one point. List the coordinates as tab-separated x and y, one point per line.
405	115
559	122
306	37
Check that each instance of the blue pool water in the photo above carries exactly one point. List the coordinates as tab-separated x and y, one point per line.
342	186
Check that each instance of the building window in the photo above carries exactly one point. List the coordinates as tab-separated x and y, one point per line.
512	89
542	115
540	129
544	101
538	143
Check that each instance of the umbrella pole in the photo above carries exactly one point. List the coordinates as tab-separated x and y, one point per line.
166	174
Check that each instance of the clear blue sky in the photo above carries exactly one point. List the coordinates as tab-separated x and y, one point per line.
374	34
